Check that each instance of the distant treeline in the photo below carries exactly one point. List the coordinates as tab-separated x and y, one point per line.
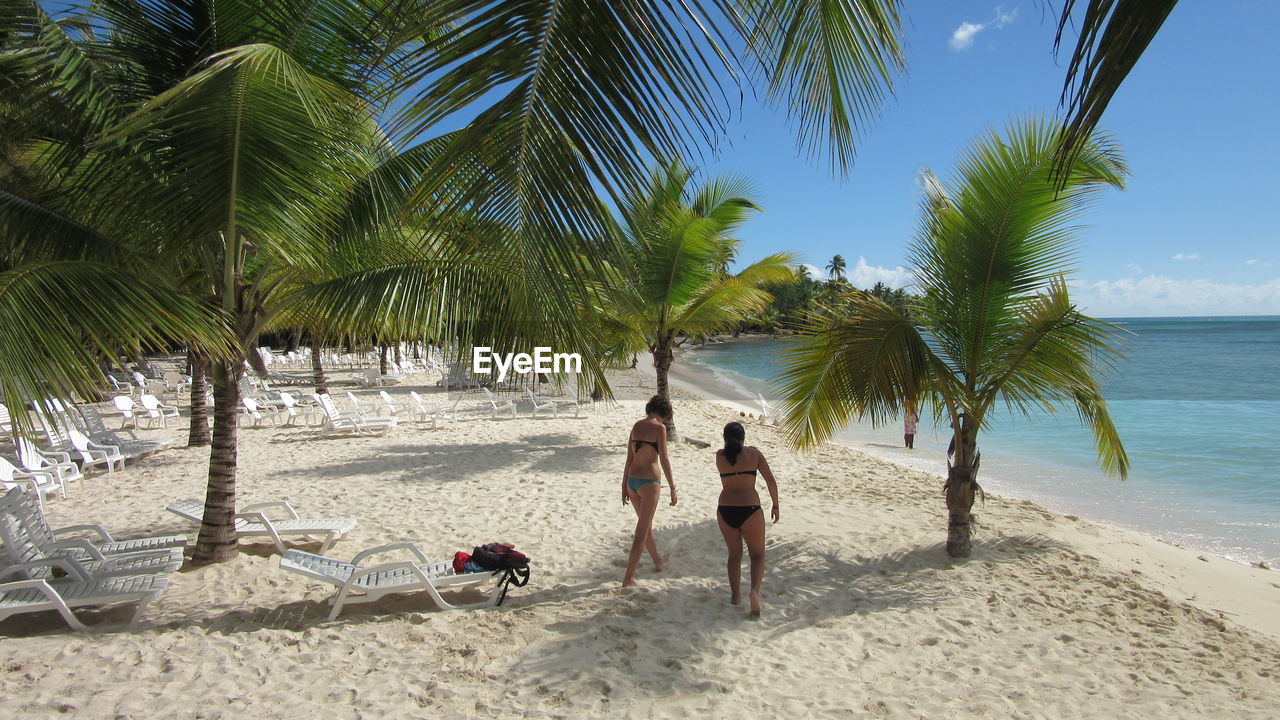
792	301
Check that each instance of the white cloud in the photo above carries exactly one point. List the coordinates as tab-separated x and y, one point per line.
1254	262
962	37
1157	295
1134	268
1187	256
1004	18
865	276
815	272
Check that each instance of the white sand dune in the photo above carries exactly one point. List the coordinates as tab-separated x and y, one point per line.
864	613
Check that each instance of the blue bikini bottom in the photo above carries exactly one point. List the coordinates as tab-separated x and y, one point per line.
636	483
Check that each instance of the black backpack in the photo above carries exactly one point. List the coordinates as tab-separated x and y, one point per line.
504	558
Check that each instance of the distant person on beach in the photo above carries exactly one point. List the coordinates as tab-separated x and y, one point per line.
909	423
739	514
646	450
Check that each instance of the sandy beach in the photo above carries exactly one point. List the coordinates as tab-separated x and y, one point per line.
864	614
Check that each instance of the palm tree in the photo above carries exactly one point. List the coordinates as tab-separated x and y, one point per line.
668	282
835	268
994	324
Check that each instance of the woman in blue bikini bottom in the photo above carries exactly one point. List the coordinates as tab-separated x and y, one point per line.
646	458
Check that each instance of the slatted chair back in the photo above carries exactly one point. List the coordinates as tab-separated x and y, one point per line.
19	545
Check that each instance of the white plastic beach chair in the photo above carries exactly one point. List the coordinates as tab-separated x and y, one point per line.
581	402
251	521
388	404
495	406
358	583
451	413
128	410
540	403
33	459
363	414
767	412
156	409
92	453
31	519
289	408
38	483
249	408
33	561
25	596
420	411
336	422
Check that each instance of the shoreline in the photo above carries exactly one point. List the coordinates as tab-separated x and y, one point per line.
1248	594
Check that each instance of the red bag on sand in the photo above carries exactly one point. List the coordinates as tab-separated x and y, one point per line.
460	561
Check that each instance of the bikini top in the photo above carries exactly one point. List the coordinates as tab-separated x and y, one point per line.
752	473
645	442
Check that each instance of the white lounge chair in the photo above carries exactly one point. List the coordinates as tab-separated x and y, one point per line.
540	403
92	453
496	406
34	459
581	402
128	410
31	518
358	583
767	411
249	408
388	404
121	387
420	410
251	521
34	561
24	596
156	409
364	414
289	407
38	483
447	414
336	422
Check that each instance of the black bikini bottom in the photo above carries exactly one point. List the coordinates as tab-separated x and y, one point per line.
735	515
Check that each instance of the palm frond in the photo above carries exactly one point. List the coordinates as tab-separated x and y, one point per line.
58	319
864	365
999	232
832	63
1113	36
578	95
1054	357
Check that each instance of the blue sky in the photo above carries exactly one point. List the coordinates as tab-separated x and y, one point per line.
1196	231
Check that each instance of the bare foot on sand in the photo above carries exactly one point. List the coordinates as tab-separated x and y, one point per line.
755	606
661	563
630	583
735	598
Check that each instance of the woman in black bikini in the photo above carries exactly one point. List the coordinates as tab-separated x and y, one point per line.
739	514
646	449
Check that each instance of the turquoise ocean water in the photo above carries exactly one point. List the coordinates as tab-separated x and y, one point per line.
1197	404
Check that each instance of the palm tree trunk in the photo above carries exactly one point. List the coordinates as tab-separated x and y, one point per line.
382	360
662	359
961	487
199	363
217	539
317	371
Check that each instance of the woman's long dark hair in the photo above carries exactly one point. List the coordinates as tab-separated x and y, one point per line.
734	435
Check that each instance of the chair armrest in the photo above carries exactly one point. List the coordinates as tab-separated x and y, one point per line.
283	504
82	544
40	585
103	535
71	567
388	548
62	458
